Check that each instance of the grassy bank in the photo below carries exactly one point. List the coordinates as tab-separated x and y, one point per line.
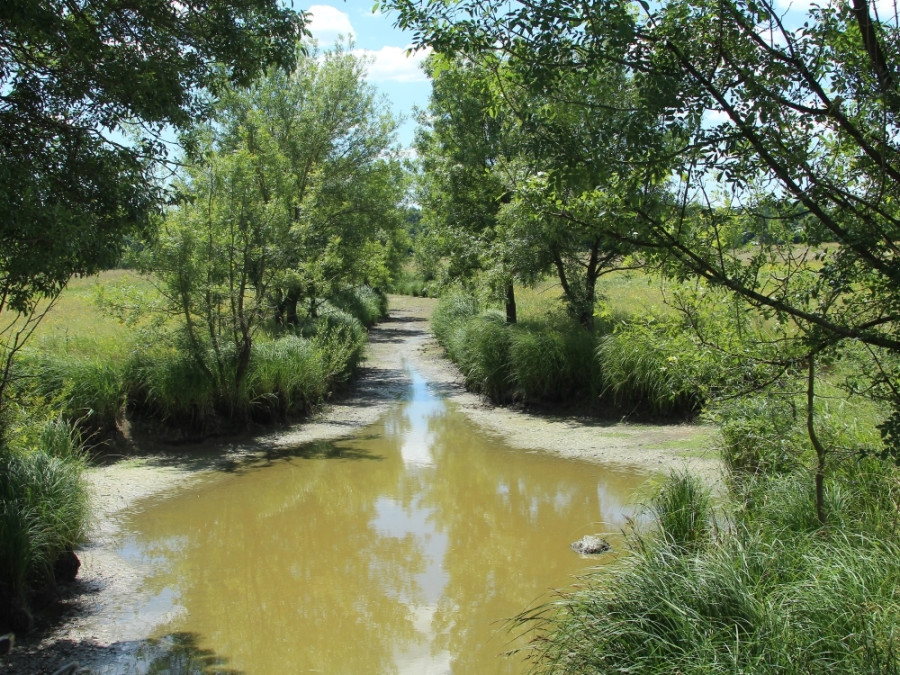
765	578
97	360
102	356
639	361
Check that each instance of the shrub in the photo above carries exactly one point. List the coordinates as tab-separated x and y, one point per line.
761	435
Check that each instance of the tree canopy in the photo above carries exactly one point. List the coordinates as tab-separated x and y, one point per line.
784	136
75	77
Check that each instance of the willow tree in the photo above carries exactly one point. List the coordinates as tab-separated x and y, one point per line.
293	195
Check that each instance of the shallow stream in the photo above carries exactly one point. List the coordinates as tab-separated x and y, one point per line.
401	549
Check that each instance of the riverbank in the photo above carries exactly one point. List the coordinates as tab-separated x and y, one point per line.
94	621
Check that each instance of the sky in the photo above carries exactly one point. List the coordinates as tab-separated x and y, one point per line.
394	73
398	75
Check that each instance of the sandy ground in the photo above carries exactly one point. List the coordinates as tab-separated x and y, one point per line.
94	620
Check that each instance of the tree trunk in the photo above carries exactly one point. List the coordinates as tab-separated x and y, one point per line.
511	316
814	438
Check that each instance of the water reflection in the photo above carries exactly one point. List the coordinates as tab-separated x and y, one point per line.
400	550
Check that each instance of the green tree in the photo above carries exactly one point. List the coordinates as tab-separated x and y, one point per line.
465	141
76	76
294	196
793	128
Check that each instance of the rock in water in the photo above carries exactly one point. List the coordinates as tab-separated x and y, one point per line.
590	544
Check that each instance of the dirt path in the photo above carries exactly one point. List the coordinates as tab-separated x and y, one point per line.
95	617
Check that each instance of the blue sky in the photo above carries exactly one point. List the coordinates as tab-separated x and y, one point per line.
394	73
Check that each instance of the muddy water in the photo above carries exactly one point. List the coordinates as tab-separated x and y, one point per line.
400	549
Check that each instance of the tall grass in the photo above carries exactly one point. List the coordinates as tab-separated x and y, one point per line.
652	366
759	597
145	370
366	304
43	513
89	390
547	357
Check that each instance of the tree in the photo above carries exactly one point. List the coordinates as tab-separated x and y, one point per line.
331	164
76	76
294	195
467	139
574	189
517	183
790	126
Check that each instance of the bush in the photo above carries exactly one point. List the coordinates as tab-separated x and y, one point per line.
761	435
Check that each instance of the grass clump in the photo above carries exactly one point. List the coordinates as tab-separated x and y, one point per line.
759	596
652	367
43	512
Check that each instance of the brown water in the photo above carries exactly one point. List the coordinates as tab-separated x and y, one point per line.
399	550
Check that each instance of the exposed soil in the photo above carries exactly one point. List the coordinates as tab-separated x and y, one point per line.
93	617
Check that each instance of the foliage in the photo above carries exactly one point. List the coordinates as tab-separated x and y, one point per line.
289	205
760	157
462	143
77	76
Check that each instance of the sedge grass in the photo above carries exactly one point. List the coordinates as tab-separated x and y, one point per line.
760	600
43	510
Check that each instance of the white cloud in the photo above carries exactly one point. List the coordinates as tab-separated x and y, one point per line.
715	117
393	64
327	23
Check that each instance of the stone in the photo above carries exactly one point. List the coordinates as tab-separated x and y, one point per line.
65	569
591	544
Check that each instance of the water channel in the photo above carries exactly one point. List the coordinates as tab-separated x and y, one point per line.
401	549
